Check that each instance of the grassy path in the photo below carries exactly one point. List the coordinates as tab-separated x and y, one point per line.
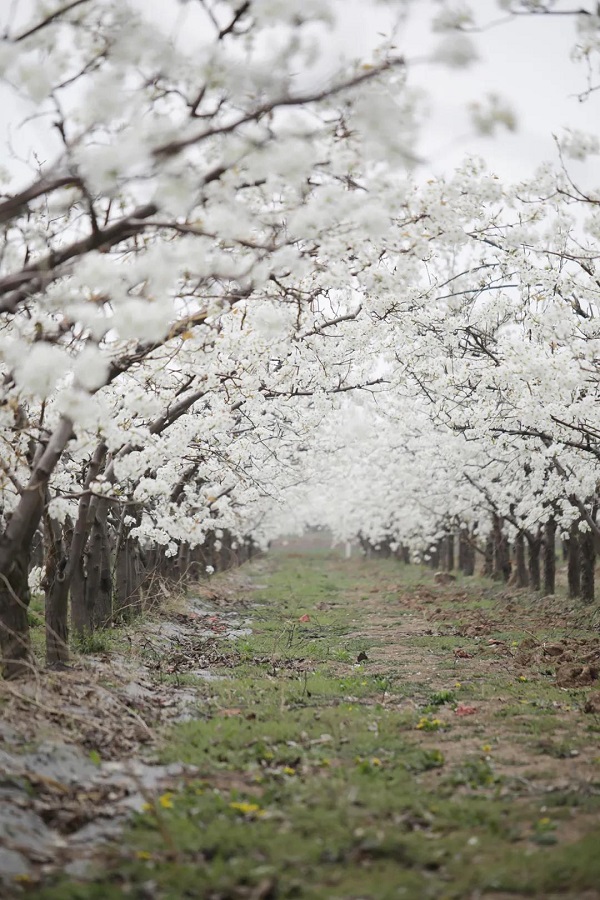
378	736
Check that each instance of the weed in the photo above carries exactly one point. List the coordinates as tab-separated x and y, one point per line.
92	641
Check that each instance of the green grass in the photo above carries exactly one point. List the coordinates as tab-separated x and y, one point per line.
316	778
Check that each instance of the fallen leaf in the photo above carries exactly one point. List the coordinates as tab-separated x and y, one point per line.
462	654
463	710
230	712
304	618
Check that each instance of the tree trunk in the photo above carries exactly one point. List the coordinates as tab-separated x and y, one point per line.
183	562
488	556
434	556
466	552
574	562
502	566
15	642
588	563
56	595
99	576
549	556
130	576
534	545
91	590
80	616
521	574
15	555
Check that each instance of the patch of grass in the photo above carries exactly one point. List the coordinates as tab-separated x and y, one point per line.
93	642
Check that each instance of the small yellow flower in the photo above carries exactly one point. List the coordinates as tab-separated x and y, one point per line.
487	748
288	770
247	809
147	807
143	854
376	762
325	761
166	800
458	684
425	724
544	822
522	678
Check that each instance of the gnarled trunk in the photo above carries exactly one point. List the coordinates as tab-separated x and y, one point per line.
15	642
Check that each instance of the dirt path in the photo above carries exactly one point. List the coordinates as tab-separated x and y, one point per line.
374	735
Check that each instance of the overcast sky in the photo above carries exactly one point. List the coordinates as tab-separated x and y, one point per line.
526	61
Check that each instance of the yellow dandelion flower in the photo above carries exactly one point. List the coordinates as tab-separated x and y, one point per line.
166	800
246	809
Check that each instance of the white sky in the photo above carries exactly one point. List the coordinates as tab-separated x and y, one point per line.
526	61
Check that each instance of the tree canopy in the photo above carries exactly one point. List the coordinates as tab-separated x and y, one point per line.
233	302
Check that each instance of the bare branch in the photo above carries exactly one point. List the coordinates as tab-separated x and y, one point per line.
49	19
